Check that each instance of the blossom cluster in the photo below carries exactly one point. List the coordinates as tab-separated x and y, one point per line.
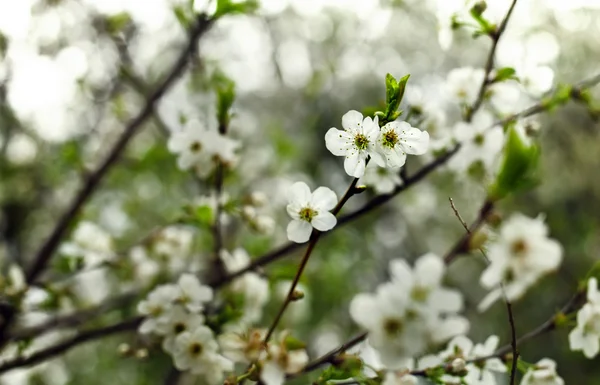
521	253
362	138
411	312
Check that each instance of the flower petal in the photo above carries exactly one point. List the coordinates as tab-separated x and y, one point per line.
323	198
354	165
299	231
413	140
299	193
338	142
324	221
429	270
352	120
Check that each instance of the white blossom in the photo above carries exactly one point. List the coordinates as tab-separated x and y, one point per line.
198	352
520	255
198	148
176	322
464	84
399	378
156	307
480	142
278	361
395	140
543	373
91	242
586	335
383	180
242	346
483	373
192	294
356	142
309	210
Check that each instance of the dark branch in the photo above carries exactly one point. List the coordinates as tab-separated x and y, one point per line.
489	65
62	347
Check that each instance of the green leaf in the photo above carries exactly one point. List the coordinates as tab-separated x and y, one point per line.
204	215
504	73
229	7
519	166
116	23
476	12
293	343
184	18
225	89
394	92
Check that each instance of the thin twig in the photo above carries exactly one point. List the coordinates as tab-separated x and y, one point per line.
463	245
489	65
330	357
509	310
457	214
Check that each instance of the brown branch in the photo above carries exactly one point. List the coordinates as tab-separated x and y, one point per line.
62	347
71	320
330	357
173	376
489	65
458	216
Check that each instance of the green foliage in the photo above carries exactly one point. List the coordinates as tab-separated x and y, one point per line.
394	92
117	23
505	73
350	366
486	27
230	7
293	343
225	90
519	167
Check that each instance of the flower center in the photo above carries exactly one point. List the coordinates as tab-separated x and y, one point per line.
479	139
361	142
393	326
195	349
519	247
419	293
389	139
307	214
195	147
179	327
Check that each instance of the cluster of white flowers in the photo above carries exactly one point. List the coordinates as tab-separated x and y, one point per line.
586	336
362	138
175	313
199	148
411	312
519	256
279	358
461	356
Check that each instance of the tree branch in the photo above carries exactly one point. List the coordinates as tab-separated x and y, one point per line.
489	65
83	337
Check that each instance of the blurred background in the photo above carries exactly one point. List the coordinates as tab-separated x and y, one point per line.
298	66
